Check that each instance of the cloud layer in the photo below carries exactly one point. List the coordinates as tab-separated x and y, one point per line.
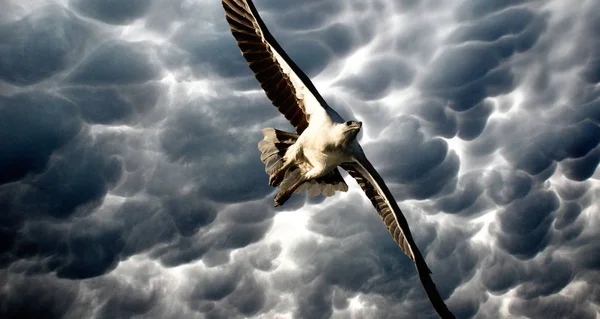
131	184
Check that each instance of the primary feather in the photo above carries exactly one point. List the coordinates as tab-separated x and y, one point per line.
309	161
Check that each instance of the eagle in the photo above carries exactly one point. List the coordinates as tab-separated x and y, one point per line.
308	160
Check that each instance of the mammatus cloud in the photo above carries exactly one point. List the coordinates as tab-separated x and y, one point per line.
130	181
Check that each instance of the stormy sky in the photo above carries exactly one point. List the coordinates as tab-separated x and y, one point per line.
131	184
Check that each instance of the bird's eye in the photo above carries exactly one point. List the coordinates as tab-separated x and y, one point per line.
348	123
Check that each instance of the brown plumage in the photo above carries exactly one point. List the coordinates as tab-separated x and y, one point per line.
308	161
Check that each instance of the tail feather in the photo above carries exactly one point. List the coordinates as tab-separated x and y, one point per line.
273	148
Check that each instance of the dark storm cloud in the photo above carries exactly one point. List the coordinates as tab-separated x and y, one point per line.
311	16
304	51
214	236
512	21
339	38
500	272
555	306
228	292
192	136
436	117
476	67
504	187
52	297
475	9
131	185
51	121
113	105
378	77
356	256
524	224
116	63
581	169
45	42
212	52
112	11
423	172
73	183
469	70
466	198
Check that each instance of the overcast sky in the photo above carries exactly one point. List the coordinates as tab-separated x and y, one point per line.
131	183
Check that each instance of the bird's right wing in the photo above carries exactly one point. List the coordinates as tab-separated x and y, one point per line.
290	90
381	197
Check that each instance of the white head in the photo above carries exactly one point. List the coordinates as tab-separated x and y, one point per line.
348	131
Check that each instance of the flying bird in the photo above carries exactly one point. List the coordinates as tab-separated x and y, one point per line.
308	160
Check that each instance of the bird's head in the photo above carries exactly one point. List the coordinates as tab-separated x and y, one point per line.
348	131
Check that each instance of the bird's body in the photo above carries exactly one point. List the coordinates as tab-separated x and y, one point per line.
309	161
323	146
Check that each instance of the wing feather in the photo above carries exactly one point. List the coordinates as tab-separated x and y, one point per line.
288	88
380	196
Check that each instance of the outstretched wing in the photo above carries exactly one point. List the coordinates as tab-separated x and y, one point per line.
285	84
376	190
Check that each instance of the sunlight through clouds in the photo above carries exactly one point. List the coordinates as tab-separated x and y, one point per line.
131	184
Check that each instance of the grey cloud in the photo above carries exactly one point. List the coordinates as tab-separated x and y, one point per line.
228	292
112	105
591	72
464	200
426	170
379	76
42	44
476	69
524	223
559	271
212	52
499	273
129	301
234	228
475	9
130	180
504	187
467	304
264	259
512	21
458	260
587	257
193	138
567	214
304	51
417	41
472	122
112	11
93	251
583	168
312	16
339	38
116	63
468	71
189	212
83	175
436	118
83	178
572	142
51	122
52	297
555	306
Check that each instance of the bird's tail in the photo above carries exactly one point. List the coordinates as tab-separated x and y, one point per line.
273	148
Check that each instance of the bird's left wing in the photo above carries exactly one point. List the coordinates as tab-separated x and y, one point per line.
290	90
372	184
